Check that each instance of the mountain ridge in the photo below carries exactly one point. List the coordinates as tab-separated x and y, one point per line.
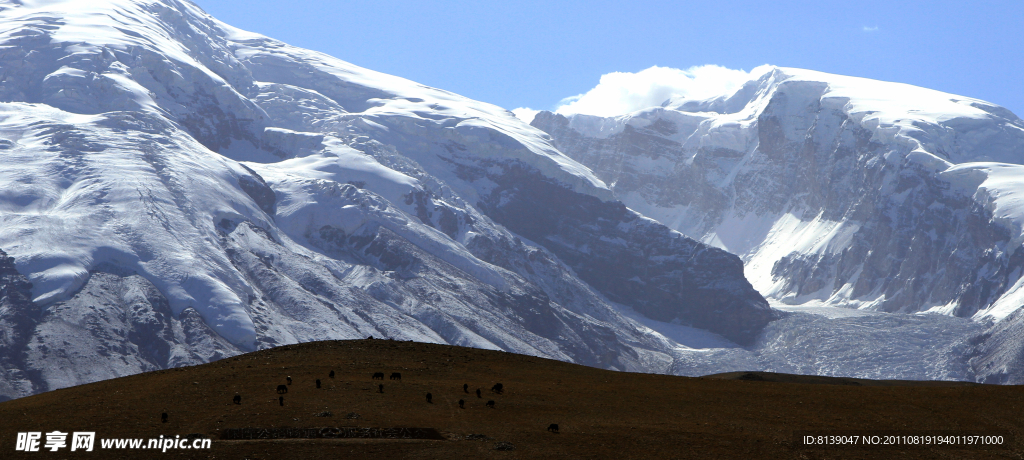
177	191
731	149
835	191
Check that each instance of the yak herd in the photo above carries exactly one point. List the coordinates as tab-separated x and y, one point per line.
497	388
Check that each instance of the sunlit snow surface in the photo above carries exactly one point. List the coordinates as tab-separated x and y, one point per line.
145	204
971	147
97	152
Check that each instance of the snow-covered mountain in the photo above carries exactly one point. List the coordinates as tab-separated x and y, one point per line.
836	191
174	190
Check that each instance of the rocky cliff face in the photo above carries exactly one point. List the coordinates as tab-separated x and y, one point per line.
828	190
18	318
631	259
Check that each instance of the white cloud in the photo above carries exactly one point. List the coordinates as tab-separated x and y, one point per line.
618	93
525	114
569	100
870	29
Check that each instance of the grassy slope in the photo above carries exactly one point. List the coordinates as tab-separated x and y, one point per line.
601	414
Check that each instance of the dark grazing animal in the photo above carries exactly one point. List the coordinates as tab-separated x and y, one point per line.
465	388
498	388
331	375
430	398
282	389
163	417
318	383
378	376
490	403
553	428
280	400
380	388
462	404
478	393
396	376
237	399
289	379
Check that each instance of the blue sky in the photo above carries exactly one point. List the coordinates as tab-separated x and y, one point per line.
536	53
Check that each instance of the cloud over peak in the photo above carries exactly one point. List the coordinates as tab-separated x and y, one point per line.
619	93
525	114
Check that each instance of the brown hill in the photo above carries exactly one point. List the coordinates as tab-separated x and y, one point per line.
600	414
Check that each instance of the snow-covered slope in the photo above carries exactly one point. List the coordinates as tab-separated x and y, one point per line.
855	191
834	189
176	190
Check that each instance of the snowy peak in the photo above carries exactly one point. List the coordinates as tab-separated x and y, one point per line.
957	129
167	65
832	189
108	40
169	57
177	190
920	119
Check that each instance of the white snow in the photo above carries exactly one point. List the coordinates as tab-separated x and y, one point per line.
956	138
343	164
125	203
413	104
151	201
997	186
791	234
1000	189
